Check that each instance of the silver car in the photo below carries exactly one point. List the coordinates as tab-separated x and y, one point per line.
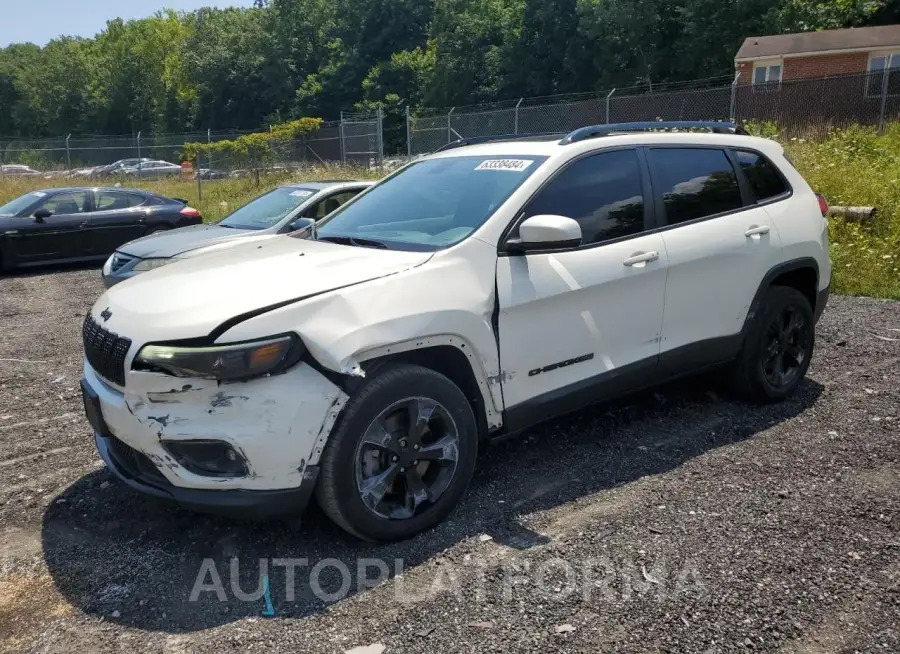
280	211
149	170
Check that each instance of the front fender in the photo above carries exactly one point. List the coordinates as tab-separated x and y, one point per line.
448	301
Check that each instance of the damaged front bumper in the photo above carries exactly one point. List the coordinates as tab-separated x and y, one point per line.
138	472
276	425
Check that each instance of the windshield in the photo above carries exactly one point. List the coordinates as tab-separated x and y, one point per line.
431	204
19	205
269	209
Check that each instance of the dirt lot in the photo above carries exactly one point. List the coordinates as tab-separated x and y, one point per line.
678	521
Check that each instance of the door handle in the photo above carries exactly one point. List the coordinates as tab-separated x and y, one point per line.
640	259
84	224
756	230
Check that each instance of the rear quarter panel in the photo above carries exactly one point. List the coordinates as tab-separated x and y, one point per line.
803	229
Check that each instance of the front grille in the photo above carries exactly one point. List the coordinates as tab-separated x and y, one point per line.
105	351
119	260
136	464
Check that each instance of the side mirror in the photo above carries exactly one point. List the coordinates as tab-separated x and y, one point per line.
302	227
546	232
41	215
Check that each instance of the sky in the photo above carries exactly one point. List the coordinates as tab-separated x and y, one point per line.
38	21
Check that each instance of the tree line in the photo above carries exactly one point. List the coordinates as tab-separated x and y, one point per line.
284	59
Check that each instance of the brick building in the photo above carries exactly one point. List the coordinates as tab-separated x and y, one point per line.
769	60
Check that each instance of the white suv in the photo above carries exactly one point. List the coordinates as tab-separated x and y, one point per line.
472	293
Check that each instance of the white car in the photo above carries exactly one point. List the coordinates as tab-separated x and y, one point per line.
473	293
16	170
149	169
284	209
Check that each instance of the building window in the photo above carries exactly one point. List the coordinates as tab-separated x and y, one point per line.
881	63
767	74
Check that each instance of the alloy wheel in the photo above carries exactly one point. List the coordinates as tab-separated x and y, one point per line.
407	458
786	347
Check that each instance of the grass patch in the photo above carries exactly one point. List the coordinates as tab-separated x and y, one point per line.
850	167
860	168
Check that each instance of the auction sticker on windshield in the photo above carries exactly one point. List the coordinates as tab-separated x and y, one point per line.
511	165
301	194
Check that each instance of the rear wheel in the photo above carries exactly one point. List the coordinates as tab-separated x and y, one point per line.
402	456
778	348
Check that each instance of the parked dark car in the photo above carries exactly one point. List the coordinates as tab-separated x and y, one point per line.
82	224
210	173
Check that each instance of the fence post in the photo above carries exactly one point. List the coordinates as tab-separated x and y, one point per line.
68	156
380	115
884	93
408	134
343	145
449	126
139	153
732	116
518	104
199	183
609	95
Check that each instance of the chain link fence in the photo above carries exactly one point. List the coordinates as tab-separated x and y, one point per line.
807	107
356	140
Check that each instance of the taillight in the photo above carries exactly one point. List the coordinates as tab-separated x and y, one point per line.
190	212
823	205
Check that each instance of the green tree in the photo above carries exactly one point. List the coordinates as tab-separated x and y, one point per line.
537	62
470	60
224	58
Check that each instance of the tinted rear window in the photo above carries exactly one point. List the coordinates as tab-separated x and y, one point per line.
694	182
764	179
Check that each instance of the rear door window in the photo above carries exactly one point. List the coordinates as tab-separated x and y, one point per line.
694	182
112	200
764	178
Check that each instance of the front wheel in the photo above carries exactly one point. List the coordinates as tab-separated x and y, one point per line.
402	456
778	347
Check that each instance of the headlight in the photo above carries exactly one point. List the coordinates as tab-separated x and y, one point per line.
222	362
149	264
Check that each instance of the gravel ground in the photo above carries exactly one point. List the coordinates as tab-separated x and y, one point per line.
677	521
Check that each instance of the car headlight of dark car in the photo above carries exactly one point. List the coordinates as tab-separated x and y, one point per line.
235	361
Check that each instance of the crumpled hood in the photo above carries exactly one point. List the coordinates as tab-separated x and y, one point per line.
177	241
192	297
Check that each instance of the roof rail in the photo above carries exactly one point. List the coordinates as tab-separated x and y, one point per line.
476	140
595	131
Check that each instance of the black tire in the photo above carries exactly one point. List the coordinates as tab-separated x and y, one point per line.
754	375
339	492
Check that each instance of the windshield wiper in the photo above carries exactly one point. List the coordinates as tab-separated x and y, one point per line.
354	241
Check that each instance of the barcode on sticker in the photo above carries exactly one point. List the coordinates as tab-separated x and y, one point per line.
512	165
